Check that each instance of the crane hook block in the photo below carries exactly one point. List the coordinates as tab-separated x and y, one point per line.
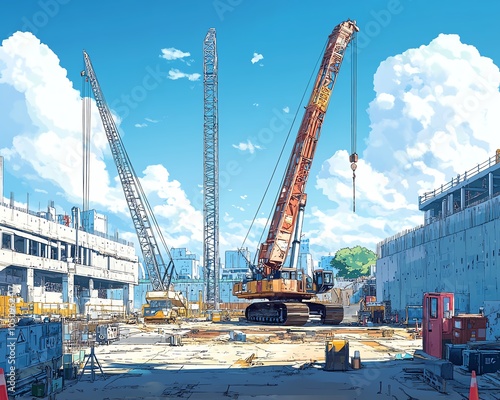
353	158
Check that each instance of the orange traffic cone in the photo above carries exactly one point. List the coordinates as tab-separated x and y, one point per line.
3	386
473	392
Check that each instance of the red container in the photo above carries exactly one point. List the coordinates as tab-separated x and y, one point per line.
468	328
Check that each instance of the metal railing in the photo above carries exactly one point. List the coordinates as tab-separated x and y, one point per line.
460	178
100	234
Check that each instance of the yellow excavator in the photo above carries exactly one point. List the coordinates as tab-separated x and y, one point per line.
289	291
163	307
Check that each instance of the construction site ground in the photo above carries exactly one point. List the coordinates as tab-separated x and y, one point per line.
211	360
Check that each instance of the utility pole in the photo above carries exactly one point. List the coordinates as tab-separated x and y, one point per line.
210	172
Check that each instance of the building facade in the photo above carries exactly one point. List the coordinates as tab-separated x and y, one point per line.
235	265
187	264
49	259
456	249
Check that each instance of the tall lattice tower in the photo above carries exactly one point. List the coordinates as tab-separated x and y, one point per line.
210	173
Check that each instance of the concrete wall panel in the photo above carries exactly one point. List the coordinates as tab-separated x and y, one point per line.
459	253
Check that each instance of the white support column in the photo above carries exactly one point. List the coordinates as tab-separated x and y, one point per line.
28	285
450	204
490	185
462	198
128	298
68	291
93	295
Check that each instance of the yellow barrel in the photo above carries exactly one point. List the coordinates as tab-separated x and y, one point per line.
337	355
215	317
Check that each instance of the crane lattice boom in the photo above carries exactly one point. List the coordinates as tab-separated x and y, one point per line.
136	200
210	171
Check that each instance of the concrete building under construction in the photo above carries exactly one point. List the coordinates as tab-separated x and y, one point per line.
457	249
53	260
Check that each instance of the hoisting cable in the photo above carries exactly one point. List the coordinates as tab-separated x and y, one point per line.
279	159
353	158
86	127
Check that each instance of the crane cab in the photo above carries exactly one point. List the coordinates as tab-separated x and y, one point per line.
323	280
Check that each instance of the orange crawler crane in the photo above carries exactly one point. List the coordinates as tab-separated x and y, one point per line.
287	290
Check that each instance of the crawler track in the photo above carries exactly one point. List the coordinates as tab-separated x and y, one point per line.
293	313
330	314
277	313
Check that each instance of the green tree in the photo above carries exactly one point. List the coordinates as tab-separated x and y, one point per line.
353	262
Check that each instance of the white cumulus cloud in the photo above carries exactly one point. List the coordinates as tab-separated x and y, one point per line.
248	146
434	115
182	222
175	74
385	101
42	144
45	143
173	54
256	58
445	101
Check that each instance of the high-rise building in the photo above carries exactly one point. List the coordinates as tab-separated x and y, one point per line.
305	262
325	263
236	264
186	263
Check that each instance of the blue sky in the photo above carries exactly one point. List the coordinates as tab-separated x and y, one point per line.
428	106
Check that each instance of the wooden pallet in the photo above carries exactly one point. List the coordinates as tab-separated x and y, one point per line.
435	381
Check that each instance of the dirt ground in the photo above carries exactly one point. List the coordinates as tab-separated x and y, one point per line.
236	360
